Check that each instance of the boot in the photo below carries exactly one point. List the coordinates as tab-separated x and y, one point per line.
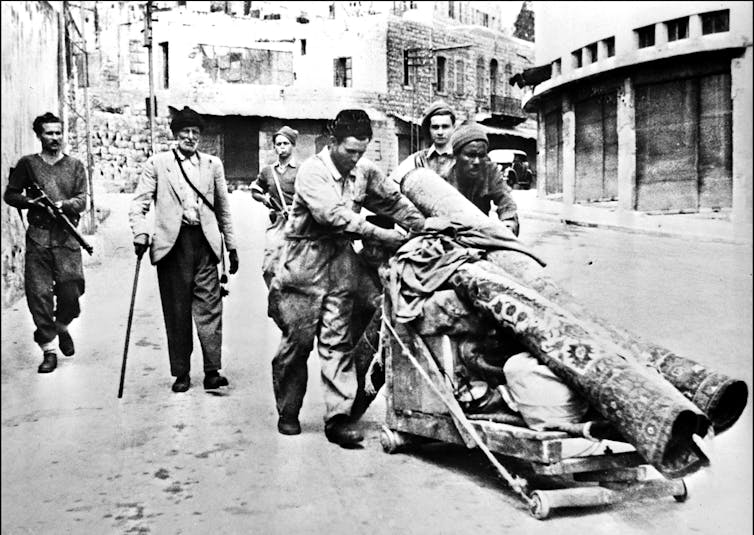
65	342
337	432
182	383
49	362
289	426
213	380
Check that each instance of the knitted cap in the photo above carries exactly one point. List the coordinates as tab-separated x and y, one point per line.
185	117
437	107
287	132
354	123
466	133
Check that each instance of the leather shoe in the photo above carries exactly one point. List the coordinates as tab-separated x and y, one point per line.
65	342
214	380
49	362
182	383
289	426
337	432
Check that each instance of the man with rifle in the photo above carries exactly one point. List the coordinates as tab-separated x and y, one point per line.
52	186
274	188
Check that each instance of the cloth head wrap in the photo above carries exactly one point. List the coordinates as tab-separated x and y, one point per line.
436	108
354	123
466	133
287	132
186	117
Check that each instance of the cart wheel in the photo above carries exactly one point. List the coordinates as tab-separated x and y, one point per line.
680	498
540	509
389	440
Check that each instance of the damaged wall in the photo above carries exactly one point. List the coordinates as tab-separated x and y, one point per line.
29	47
247	65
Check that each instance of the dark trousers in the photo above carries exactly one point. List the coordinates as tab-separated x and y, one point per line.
190	289
54	281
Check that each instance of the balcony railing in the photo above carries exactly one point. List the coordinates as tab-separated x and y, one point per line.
509	106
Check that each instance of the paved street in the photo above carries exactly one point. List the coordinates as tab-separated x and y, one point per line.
75	459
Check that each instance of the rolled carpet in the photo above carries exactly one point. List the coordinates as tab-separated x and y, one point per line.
722	398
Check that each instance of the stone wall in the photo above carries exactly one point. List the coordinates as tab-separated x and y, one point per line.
119	123
119	138
472	46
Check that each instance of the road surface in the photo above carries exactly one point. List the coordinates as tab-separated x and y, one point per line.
75	459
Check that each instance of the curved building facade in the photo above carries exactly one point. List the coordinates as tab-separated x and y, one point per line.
649	105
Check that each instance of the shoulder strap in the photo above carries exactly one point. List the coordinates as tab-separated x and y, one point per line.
420	160
186	178
275	177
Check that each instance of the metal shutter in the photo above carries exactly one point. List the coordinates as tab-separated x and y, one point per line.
667	124
554	152
715	143
596	149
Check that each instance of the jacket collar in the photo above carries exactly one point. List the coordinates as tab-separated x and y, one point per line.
183	157
330	165
447	151
291	163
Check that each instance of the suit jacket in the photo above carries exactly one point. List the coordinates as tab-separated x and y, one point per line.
161	182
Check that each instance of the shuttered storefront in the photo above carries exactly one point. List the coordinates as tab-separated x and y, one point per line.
683	144
554	152
715	143
596	149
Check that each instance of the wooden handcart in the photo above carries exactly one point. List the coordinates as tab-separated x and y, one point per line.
420	408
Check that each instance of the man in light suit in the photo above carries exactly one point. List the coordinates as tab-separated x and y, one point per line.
192	218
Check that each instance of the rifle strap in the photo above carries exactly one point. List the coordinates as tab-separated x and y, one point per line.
275	177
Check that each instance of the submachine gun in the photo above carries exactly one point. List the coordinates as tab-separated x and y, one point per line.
40	197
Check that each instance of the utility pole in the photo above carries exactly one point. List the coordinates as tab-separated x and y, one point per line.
148	45
87	125
62	71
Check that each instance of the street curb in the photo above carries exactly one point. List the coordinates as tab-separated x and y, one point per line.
543	216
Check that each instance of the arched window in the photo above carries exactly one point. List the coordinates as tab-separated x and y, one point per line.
506	80
460	75
493	77
480	79
440	75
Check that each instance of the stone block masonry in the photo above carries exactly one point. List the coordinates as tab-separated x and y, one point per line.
120	144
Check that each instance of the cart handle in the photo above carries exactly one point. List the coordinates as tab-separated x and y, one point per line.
515	482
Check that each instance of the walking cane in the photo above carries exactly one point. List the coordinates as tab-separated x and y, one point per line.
128	327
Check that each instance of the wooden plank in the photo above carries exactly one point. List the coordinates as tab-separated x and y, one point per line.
590	464
434	426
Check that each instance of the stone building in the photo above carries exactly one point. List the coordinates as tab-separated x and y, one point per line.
649	107
30	40
249	68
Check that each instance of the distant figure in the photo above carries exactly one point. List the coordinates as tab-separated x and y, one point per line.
437	126
274	188
54	274
192	218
